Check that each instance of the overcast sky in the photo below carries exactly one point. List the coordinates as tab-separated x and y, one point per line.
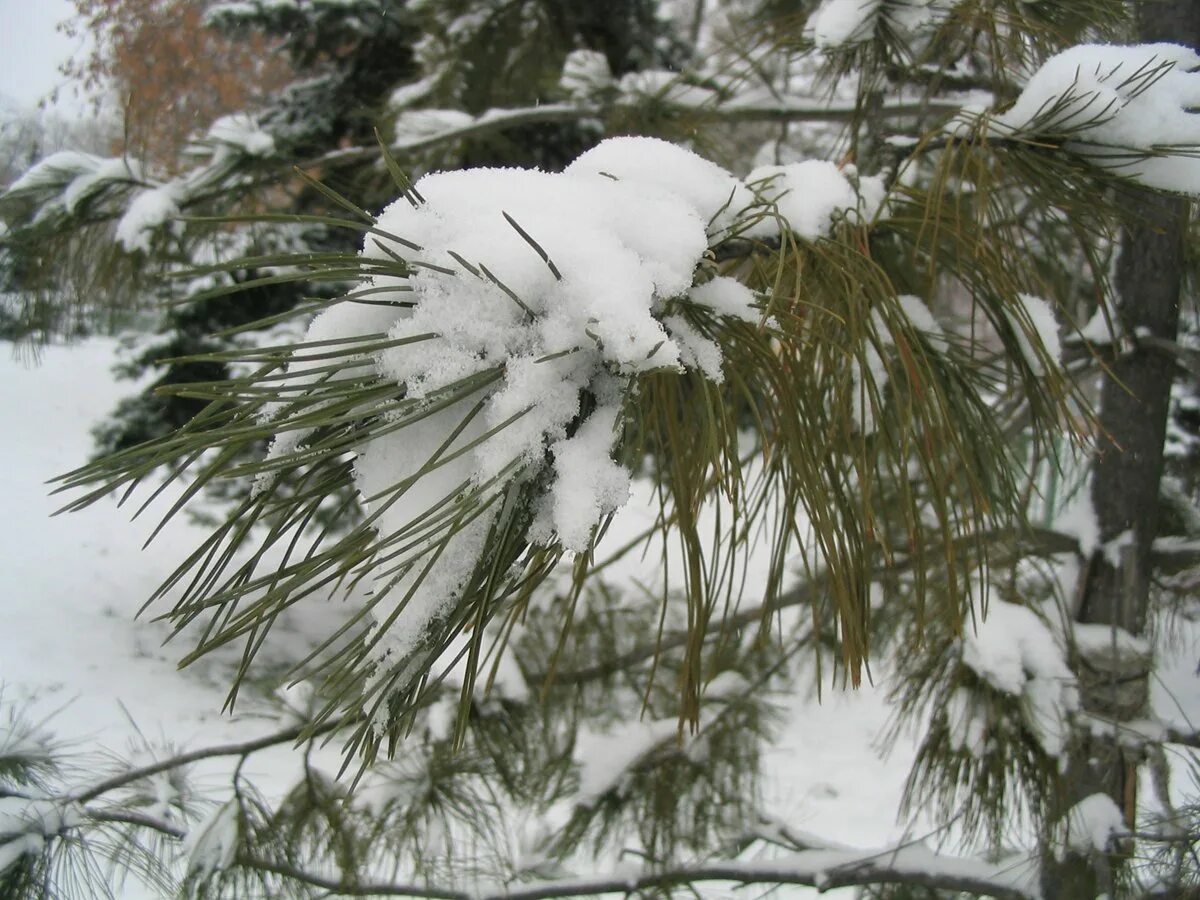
30	48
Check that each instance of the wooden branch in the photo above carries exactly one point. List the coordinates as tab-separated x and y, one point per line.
824	870
1172	555
825	867
296	733
1186	738
788	109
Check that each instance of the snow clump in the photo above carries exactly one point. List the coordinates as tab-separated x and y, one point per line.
529	305
418	125
549	292
1036	330
27	824
1094	823
148	212
836	23
1115	102
811	195
211	845
1016	653
585	74
243	133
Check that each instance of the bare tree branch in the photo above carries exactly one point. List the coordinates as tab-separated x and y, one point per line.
788	109
823	867
295	734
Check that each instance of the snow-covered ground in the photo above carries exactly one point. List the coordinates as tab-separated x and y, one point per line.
71	649
71	583
70	646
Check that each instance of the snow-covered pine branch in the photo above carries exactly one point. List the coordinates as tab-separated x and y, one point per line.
212	845
243	153
851	356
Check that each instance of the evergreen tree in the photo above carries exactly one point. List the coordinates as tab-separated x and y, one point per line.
848	371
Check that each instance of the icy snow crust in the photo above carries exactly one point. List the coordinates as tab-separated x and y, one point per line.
555	287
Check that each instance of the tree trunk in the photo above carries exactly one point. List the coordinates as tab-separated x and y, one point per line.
1125	485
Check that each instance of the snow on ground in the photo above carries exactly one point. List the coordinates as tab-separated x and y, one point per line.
71	585
829	775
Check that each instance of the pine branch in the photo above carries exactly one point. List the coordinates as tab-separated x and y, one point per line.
820	865
1173	555
275	866
302	732
1039	542
137	819
1185	738
821	869
911	865
733	111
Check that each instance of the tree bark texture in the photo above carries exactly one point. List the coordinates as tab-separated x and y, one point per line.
1125	487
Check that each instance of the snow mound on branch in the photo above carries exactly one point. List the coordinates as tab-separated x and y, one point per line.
664	86
243	133
585	74
1077	519
606	760
1093	823
62	166
966	722
414	126
212	845
76	177
1118	104
26	825
809	195
727	297
148	212
917	16
838	22
1033	326
1015	652
549	292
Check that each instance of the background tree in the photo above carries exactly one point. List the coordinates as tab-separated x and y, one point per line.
172	75
1116	585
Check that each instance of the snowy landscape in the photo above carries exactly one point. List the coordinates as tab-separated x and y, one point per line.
538	449
75	660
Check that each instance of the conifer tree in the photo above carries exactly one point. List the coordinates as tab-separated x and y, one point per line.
836	377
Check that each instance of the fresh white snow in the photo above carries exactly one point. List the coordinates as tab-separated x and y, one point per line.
1120	106
1015	652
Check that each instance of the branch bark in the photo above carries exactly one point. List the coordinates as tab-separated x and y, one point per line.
1125	484
788	109
297	733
